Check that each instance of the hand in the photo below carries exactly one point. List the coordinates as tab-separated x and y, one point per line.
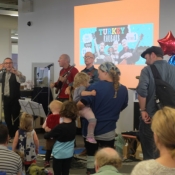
1	66
145	117
93	93
47	129
67	91
14	71
63	79
52	85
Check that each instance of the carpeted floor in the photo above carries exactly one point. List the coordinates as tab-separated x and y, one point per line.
78	166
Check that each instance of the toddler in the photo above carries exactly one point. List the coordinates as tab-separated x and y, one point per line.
64	134
26	140
51	121
81	82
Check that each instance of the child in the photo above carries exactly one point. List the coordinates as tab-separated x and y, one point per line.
51	121
81	82
64	134
26	140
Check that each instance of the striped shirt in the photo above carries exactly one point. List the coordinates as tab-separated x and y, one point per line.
10	162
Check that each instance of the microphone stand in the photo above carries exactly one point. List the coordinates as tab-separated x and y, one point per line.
49	86
37	94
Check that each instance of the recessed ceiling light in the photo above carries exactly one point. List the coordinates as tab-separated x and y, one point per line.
14	37
13	14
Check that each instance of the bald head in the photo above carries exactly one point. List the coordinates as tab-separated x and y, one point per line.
107	156
64	60
66	57
90	54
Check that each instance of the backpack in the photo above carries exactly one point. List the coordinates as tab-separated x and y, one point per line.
165	93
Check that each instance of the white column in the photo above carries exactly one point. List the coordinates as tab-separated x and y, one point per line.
5	44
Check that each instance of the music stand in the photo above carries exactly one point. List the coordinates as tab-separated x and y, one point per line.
32	108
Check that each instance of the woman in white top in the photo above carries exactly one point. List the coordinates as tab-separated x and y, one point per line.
163	126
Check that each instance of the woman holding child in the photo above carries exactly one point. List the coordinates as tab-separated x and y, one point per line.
111	98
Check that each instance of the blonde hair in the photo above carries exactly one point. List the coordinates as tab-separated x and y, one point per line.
26	122
108	156
163	125
81	78
55	105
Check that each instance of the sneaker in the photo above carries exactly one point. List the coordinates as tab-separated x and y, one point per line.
91	140
46	164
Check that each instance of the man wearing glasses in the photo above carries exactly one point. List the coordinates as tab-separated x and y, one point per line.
11	79
89	69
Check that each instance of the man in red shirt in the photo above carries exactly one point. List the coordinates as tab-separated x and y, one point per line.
66	77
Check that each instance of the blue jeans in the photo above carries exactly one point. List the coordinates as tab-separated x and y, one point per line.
147	141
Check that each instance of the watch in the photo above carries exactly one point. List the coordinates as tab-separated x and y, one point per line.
142	110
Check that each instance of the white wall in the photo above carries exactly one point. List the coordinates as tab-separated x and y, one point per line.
51	33
6	24
5	44
14	48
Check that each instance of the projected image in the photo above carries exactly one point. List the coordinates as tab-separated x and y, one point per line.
118	44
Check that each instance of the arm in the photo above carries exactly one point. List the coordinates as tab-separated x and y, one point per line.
55	133
142	102
142	91
126	102
20	78
47	129
36	142
44	126
15	141
144	114
88	93
87	100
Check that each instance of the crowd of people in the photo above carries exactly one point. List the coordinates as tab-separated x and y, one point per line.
98	97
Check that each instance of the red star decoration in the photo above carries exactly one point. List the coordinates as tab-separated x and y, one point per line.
168	44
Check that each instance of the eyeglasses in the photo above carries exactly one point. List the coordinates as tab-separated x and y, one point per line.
87	57
8	63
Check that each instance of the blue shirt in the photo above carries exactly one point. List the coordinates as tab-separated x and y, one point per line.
106	108
63	150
